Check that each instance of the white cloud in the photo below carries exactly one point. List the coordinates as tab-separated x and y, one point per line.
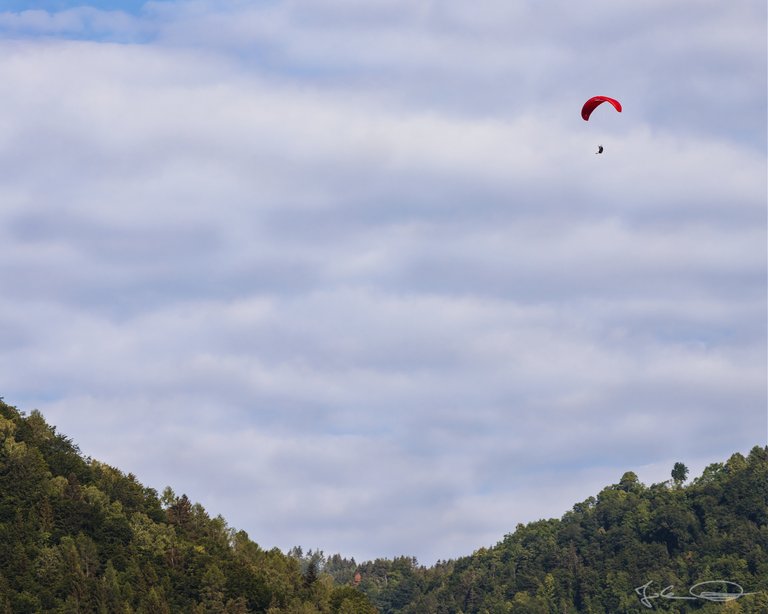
348	310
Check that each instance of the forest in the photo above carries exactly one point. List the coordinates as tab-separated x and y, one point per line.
80	536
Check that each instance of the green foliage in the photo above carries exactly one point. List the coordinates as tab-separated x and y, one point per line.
79	536
679	473
592	559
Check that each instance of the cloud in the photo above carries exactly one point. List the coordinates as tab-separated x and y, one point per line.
353	277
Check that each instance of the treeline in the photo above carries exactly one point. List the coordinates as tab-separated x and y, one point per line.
594	557
79	536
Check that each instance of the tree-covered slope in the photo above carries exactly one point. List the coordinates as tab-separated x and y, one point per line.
594	557
77	535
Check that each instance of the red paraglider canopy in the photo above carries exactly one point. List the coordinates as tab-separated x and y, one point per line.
596	101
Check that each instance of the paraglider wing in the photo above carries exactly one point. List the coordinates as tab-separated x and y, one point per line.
595	102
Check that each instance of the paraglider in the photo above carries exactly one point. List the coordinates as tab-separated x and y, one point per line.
592	104
595	102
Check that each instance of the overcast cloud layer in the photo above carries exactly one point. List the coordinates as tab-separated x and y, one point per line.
350	274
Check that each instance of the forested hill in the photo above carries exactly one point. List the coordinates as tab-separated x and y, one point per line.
79	536
594	557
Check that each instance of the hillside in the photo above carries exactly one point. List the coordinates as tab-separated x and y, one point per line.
594	557
77	535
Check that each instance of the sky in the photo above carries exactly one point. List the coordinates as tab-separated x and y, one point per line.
351	274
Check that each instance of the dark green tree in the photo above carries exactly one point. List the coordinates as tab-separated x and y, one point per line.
679	473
